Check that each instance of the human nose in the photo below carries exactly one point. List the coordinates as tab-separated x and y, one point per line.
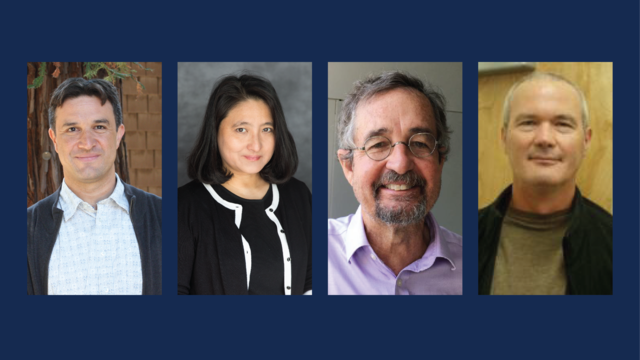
544	136
401	159
255	143
86	141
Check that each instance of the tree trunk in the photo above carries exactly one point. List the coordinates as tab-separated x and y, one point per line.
44	172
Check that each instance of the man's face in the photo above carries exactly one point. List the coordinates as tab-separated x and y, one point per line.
545	140
402	188
86	139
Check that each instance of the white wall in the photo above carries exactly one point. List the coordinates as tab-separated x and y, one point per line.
448	78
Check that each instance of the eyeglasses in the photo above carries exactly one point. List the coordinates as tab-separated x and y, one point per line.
379	148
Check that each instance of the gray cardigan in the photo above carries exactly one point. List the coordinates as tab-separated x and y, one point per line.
43	224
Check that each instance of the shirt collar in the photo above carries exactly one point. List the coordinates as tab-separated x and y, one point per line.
69	201
356	238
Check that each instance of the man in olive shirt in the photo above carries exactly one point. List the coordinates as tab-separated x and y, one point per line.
541	236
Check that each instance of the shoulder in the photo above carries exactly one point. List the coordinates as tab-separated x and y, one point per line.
43	205
450	237
195	201
486	212
598	213
146	204
337	238
295	192
293	186
191	189
144	199
340	225
488	218
596	219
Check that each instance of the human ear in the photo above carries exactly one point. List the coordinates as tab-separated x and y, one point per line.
346	163
587	140
52	135
119	134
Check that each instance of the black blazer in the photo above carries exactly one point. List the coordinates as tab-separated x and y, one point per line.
210	253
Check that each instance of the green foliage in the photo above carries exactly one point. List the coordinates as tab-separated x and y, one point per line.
37	82
115	70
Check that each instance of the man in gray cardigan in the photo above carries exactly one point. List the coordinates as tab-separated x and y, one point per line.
95	235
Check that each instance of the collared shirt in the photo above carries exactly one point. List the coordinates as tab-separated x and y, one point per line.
355	269
96	251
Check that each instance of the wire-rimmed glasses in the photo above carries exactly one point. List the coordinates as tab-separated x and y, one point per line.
379	148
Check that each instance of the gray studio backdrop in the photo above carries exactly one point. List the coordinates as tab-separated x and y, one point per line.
447	77
292	82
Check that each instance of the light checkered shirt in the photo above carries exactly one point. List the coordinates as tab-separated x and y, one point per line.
96	252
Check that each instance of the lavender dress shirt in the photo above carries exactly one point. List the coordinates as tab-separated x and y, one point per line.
355	269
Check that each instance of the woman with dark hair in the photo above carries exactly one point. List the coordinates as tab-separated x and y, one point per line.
244	223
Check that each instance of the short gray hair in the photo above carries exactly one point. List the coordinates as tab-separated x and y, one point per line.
372	85
506	108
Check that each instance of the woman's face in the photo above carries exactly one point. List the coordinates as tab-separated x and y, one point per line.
246	138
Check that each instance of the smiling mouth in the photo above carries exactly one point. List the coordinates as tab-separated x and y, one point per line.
393	183
252	158
87	158
545	160
398	187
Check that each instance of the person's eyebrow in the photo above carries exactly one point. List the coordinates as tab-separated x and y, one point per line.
70	123
101	121
74	123
377	132
245	123
521	117
417	130
562	117
566	117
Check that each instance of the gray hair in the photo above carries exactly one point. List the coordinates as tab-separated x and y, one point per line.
506	108
372	85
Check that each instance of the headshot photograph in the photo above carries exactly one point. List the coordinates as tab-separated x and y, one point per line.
244	177
545	176
395	179
94	178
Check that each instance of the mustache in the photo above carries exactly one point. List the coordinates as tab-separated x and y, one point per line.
410	178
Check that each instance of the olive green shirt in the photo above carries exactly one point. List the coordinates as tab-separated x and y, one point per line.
530	259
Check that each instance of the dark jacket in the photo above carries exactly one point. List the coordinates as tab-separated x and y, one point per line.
587	245
210	253
43	224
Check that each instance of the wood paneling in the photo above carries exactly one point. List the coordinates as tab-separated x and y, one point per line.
595	177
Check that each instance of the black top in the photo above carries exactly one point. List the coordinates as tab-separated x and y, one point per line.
210	252
267	267
587	245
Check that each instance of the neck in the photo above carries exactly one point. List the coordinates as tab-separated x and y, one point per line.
250	186
542	199
92	192
396	246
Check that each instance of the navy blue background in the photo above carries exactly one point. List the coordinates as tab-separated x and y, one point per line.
468	326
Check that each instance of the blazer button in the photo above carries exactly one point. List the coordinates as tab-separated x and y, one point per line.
271	210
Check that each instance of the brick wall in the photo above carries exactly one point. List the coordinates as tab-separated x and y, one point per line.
143	124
